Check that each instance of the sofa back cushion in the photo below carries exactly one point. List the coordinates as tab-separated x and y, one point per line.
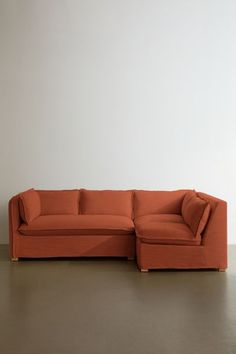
195	212
29	204
110	202
158	202
59	202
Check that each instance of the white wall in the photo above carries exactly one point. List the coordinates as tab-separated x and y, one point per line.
118	94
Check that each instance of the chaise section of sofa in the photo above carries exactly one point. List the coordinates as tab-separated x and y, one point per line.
180	229
184	230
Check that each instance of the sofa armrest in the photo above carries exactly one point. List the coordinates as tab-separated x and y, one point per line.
214	236
14	223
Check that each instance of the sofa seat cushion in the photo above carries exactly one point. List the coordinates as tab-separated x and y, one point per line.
159	218
165	232
78	225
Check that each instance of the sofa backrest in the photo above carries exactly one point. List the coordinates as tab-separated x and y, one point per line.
56	202
195	211
29	205
113	202
158	202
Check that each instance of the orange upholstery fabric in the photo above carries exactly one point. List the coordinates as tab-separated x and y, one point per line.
154	256
212	253
164	240
75	246
159	218
195	212
29	204
106	202
59	202
78	225
165	232
158	202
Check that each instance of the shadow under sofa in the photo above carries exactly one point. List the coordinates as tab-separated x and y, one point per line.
180	229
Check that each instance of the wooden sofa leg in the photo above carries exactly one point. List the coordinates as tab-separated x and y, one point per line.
222	269
15	259
143	270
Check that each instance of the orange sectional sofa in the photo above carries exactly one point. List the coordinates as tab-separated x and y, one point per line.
180	229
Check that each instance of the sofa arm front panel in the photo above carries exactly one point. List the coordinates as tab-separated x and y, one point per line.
14	223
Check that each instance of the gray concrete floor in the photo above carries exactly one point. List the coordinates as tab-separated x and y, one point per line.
99	306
